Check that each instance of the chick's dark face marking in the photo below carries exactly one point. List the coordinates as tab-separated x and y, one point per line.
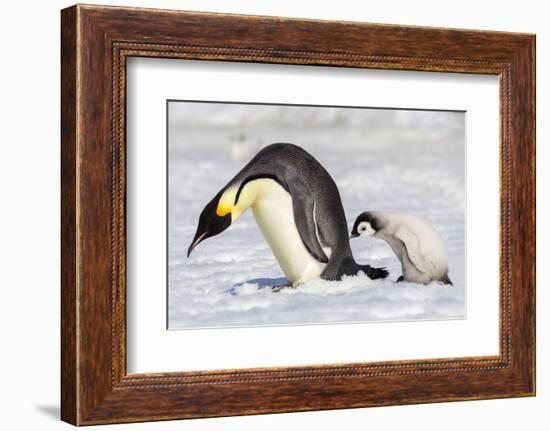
365	225
211	223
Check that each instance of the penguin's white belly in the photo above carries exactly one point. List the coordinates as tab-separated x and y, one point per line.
273	211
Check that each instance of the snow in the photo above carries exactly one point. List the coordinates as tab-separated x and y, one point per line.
228	278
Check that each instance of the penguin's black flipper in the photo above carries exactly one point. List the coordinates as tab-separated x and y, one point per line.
303	207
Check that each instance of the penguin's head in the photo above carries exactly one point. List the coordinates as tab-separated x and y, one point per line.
211	223
365	225
226	207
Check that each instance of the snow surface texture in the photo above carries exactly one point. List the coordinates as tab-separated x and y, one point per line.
386	160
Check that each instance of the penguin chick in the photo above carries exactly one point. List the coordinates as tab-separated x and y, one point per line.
415	243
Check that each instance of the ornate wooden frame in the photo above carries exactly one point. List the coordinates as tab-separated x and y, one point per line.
95	43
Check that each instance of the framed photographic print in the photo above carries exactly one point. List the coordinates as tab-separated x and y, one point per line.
316	215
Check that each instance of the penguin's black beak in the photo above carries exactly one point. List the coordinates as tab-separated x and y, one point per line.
196	241
353	235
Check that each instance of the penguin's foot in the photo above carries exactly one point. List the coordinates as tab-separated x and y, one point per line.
400	279
446	280
374	273
278	288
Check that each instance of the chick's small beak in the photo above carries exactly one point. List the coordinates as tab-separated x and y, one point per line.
353	235
195	242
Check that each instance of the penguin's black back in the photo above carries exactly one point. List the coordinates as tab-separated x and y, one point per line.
309	182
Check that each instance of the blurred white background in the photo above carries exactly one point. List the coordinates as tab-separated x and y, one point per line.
239	130
29	228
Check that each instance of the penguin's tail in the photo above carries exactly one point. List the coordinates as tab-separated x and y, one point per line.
351	267
374	273
348	266
446	280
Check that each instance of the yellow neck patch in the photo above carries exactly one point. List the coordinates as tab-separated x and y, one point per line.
226	202
250	192
223	210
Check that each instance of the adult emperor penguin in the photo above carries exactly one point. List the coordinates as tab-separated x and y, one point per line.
415	243
298	209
